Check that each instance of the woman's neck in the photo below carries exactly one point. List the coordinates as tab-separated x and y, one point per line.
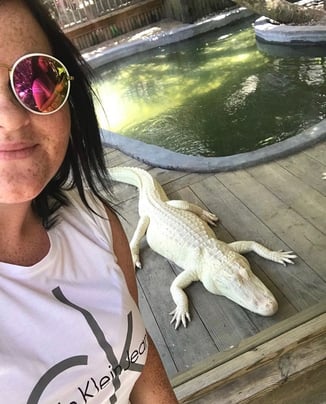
23	239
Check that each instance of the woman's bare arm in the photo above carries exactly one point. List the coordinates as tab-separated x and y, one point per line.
153	386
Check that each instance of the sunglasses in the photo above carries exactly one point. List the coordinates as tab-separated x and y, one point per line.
40	82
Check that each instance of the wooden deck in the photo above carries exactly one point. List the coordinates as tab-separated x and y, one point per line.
280	204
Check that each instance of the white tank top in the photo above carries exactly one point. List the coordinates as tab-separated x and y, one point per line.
70	333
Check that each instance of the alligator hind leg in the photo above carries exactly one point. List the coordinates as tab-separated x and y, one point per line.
134	244
281	257
202	213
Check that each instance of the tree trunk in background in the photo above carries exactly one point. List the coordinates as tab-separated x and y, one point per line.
284	12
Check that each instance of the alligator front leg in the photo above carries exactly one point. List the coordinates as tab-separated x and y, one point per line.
202	213
181	312
139	233
281	257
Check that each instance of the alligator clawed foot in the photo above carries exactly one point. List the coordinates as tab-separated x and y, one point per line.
283	257
138	265
209	217
179	316
136	261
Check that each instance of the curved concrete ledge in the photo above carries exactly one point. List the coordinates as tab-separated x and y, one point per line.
267	31
290	50
108	52
159	157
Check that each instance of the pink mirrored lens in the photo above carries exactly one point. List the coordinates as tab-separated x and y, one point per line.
40	83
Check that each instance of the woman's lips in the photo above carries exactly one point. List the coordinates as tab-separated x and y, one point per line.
16	151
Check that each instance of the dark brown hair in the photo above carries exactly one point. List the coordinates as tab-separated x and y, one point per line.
84	161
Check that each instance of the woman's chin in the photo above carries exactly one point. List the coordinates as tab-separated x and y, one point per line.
18	194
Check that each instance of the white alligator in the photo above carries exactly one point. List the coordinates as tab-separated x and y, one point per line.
179	231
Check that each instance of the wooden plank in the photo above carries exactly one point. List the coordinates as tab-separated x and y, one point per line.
296	232
155	279
172	180
116	158
154	331
272	363
126	198
184	181
108	150
165	176
301	285
318	152
306	388
297	195
307	169
251	343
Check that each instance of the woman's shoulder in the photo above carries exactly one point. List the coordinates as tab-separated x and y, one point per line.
94	203
93	218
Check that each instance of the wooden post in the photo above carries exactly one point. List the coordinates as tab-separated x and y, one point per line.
188	11
179	10
273	363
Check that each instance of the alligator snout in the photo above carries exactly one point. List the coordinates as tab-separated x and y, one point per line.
269	307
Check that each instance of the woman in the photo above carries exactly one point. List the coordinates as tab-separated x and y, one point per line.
47	84
71	331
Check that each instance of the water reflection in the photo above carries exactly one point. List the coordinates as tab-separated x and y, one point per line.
213	95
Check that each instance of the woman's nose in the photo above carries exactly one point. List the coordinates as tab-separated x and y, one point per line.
12	115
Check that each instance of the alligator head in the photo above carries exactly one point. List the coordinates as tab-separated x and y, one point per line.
237	282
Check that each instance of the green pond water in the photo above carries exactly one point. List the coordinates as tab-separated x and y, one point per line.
212	95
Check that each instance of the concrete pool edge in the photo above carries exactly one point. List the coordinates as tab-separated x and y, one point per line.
157	156
289	34
273	32
108	52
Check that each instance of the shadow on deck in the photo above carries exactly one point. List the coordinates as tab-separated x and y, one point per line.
226	350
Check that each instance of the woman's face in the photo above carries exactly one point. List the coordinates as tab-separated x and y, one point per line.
32	147
43	64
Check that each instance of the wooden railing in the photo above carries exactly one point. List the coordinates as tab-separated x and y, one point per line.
88	22
114	23
71	12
